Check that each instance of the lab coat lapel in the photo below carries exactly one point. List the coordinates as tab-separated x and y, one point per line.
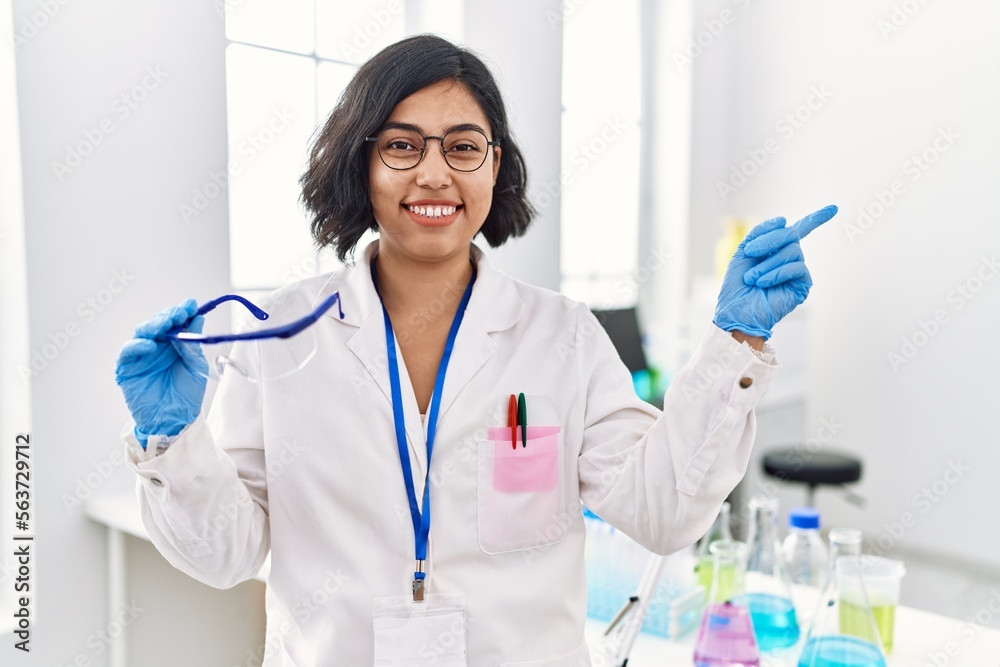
493	306
368	344
363	309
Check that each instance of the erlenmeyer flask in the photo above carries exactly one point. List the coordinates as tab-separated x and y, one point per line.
843	632
726	637
768	584
843	542
719	531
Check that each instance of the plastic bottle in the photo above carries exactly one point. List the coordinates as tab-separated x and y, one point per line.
804	548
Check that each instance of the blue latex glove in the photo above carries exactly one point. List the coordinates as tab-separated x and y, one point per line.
767	276
163	381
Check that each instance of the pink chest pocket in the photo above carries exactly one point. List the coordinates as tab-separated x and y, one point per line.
522	492
521	468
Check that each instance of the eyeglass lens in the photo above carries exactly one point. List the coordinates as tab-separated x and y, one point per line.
464	150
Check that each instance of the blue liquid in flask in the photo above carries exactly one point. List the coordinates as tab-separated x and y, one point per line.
773	619
840	651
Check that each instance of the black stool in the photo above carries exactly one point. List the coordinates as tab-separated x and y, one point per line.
796	464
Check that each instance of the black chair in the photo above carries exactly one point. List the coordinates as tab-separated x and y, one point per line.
797	464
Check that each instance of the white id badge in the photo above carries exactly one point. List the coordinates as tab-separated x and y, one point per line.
420	634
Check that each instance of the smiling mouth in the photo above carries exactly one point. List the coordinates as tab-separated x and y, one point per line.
432	212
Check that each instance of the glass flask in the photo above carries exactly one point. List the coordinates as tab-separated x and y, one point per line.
768	584
843	542
843	632
881	583
726	637
719	531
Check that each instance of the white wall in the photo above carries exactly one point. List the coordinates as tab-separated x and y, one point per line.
521	42
115	214
892	92
15	403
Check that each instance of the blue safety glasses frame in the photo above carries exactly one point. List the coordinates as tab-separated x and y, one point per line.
286	331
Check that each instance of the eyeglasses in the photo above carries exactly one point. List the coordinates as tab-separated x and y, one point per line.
286	348
464	148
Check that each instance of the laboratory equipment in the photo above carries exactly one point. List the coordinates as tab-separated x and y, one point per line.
843	632
617	566
843	542
645	605
720	530
726	637
804	548
881	584
255	352
614	565
768	587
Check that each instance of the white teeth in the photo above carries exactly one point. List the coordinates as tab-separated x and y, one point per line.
433	211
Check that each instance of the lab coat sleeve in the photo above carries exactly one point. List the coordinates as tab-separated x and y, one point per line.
203	498
661	478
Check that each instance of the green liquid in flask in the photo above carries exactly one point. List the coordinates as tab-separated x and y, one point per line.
854	621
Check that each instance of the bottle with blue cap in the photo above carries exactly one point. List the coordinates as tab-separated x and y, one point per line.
804	549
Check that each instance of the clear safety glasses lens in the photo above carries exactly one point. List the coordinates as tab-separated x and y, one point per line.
257	360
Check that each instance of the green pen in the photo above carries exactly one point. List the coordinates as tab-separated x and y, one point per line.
522	418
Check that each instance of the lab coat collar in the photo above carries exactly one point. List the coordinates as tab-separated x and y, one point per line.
493	306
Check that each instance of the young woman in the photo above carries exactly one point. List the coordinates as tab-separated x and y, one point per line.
406	522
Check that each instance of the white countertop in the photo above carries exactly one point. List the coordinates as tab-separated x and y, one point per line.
922	639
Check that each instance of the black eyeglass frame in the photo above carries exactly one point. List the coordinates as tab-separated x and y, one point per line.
444	153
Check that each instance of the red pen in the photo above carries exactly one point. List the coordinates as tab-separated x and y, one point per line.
512	420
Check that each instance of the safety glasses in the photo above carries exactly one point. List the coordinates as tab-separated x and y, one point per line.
256	354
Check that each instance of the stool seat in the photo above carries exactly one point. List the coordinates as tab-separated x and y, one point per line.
826	467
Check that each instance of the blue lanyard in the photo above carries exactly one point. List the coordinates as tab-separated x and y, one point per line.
421	522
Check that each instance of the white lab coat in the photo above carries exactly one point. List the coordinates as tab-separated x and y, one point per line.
306	468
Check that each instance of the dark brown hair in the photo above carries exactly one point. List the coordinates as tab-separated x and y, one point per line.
335	189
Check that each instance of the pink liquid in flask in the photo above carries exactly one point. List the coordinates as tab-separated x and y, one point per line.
726	638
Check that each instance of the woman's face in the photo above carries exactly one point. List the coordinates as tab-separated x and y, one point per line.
432	236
